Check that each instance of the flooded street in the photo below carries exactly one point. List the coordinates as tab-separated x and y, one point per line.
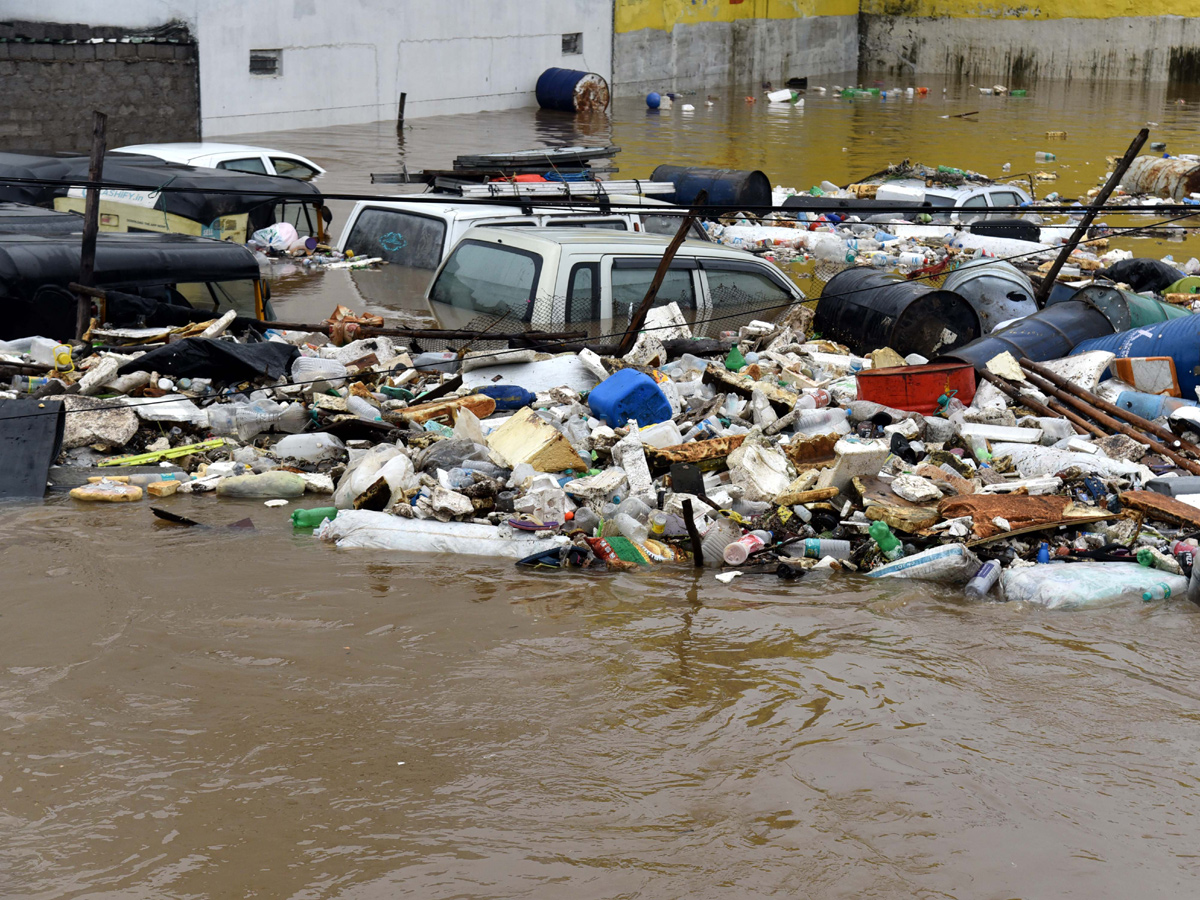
223	713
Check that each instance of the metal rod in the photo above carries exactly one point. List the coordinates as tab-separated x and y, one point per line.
1043	291
1107	421
639	318
1172	440
1032	404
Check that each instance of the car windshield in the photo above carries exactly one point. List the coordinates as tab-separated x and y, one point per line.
489	278
401	238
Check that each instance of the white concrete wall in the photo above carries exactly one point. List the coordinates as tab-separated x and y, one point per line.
349	62
716	53
1123	48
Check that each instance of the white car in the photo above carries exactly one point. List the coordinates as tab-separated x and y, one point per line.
236	157
555	277
420	234
966	203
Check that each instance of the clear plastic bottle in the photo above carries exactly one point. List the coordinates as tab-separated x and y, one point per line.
1160	591
1044	156
813	398
632	528
739	551
819	548
362	408
987	576
721	533
636	508
823	421
585	520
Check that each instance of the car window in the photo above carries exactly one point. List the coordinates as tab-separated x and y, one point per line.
252	164
975	202
1005	198
221	297
731	289
669	225
490	279
937	200
602	224
293	168
402	238
629	288
583	293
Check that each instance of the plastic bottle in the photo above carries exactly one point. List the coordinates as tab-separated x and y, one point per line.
1160	591
1043	554
28	383
803	513
823	421
739	551
987	576
634	507
813	398
888	542
310	448
585	520
819	548
311	518
1044	156
362	408
632	528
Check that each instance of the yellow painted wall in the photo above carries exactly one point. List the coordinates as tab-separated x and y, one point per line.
663	15
1031	9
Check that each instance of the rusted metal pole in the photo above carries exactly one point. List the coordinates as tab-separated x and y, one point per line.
639	317
91	221
1034	405
1108	422
1171	439
1043	291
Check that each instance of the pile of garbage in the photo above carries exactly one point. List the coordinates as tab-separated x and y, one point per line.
769	455
282	243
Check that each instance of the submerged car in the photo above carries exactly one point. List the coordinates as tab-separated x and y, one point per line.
551	277
225	205
154	279
232	157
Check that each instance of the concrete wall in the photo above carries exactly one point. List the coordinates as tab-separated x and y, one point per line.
680	44
347	63
1146	40
55	75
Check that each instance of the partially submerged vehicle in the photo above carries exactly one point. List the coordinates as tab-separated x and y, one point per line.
232	157
149	279
549	277
21	218
225	205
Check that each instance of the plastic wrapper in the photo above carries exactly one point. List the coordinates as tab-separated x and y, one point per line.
948	564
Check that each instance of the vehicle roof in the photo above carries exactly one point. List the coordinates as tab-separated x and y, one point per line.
592	240
21	218
203	148
246	191
29	261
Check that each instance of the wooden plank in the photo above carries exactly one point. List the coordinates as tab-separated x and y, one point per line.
1162	508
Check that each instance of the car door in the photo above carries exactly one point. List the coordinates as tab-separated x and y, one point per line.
626	279
1002	199
738	291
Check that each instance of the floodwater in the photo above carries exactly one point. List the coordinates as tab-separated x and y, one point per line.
219	713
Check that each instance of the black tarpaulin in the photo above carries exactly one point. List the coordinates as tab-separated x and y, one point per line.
219	360
31	433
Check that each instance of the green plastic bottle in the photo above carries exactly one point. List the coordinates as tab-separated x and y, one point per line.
311	518
888	542
735	361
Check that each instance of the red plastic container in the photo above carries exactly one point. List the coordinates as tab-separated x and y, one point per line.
917	388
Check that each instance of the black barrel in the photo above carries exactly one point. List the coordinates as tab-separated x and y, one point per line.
570	90
866	309
1013	229
1050	333
726	187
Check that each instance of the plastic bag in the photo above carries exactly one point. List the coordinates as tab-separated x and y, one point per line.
949	564
279	236
366	530
1085	585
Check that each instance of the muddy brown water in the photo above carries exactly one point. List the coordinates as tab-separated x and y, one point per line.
217	713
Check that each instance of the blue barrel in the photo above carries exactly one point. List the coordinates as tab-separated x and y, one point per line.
1176	338
726	187
1150	406
570	90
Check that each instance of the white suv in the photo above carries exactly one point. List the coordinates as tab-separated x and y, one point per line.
581	279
